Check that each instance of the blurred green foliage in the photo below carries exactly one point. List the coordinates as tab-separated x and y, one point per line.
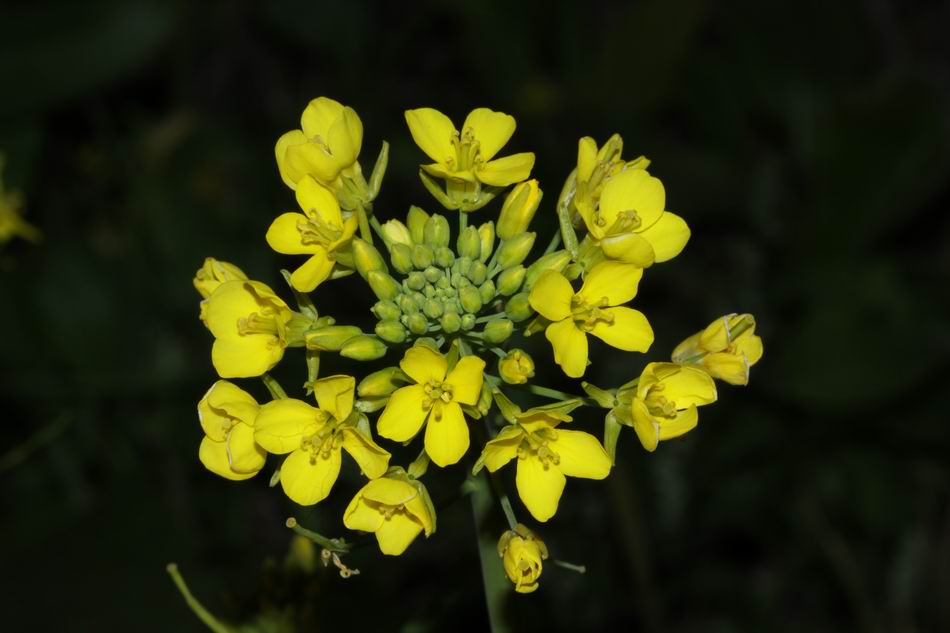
808	146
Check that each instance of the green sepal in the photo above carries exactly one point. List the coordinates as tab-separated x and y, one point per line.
603	397
435	188
611	433
379	171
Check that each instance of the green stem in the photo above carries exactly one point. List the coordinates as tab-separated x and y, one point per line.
491	317
276	391
500	353
555	242
463	221
580	569
377	227
499	490
547	392
338	545
196	607
365	233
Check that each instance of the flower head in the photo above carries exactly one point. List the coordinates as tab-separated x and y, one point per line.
320	231
664	404
249	323
516	367
522	553
328	143
315	438
434	401
467	155
727	348
395	508
591	310
227	414
213	273
546	454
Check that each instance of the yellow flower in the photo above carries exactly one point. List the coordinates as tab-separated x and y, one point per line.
315	438
434	400
213	273
227	415
249	323
522	553
467	155
629	222
591	310
665	403
328	143
545	455
320	231
394	507
516	367
12	223
726	349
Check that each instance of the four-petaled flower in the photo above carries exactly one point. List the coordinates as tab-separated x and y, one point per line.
522	553
227	414
435	400
395	508
328	143
467	155
315	438
320	231
727	348
593	309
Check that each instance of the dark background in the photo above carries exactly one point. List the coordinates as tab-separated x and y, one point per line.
807	145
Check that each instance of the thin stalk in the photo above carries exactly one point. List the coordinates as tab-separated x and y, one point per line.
276	391
337	545
554	243
196	607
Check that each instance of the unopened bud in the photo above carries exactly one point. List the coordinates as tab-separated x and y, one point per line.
514	251
432	308
363	347
498	331
518	209
416	221
555	261
331	338
417	324
478	273
395	232
422	256
469	244
386	310
213	273
391	330
486	235
401	257
366	258
487	290
471	299
518	308
516	368
462	265
468	321
450	322
432	274
509	282
444	256
436	231
416	280
380	383
383	286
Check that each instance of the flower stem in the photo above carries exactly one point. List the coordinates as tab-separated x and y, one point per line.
337	545
276	391
364	224
555	242
580	569
197	608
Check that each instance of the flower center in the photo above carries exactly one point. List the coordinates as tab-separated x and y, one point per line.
536	445
317	140
587	315
467	151
263	322
436	392
322	443
314	230
658	404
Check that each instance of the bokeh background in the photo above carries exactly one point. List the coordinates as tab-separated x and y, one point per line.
807	145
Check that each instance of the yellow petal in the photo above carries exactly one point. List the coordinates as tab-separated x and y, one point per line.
539	487
630	330
391	492
491	129
688	386
313	159
732	368
586	158
223	405
614	281
689	347
446	435
334	395
630	248
403	416
502	449
551	296
284	237
633	190
581	455
313	272
424	364
282	424
397	533
360	515
570	347
647	428
245	356
231	301
319	115
214	456
684	422
442	171
244	455
466	379
288	173
346	137
749	345
506	171
433	133
308	483
668	236
316	201
373	459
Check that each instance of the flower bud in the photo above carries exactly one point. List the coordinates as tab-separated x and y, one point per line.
510	280
417	324
469	244
462	265
516	368
470	298
422	256
395	232
416	220
383	286
331	338
522	554
444	256
478	273
407	305
380	383
487	290
213	273
401	257
518	209
555	261
512	252
572	271
366	258
498	331
416	280
363	347
468	321
450	322
436	231
432	274
518	308
486	235
432	308
391	330
386	310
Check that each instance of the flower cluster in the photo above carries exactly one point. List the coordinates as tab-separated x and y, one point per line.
452	295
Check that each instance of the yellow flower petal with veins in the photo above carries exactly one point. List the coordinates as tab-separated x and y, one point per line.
392	508
423	364
282	424
614	282
447	438
629	330
570	347
307	479
404	415
329	143
540	487
581	455
551	296
492	129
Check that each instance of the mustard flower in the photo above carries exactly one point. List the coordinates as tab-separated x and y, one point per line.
328	143
467	155
315	438
591	310
227	414
213	273
395	508
434	401
727	348
522	554
516	367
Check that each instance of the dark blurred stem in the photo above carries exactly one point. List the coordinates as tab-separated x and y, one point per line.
498	488
20	453
554	243
199	610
